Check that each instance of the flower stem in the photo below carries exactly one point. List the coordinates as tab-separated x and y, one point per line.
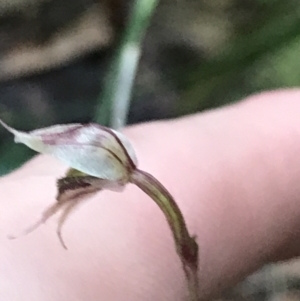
120	79
186	246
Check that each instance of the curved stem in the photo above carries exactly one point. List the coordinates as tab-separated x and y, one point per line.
186	246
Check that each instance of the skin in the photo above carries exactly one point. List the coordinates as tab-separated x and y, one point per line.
234	173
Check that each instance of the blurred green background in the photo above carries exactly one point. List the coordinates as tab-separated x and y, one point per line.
197	54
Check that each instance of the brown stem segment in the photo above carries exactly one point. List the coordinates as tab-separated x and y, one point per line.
186	246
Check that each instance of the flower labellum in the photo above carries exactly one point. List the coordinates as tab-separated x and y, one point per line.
102	158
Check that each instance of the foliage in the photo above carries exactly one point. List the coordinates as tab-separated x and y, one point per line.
196	55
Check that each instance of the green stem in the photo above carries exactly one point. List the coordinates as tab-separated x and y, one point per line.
118	87
186	246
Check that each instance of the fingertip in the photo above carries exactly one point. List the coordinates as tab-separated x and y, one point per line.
274	96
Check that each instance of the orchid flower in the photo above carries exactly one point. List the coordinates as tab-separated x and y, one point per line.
102	158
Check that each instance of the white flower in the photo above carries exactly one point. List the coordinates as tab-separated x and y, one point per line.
90	148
